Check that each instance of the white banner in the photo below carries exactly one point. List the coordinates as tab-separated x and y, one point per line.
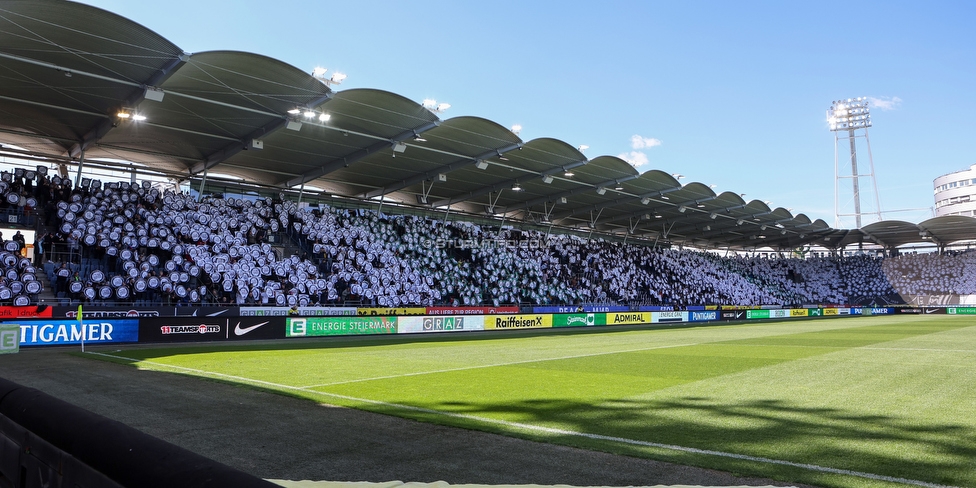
439	323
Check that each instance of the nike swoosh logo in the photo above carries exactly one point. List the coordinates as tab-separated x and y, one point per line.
238	331
930	311
217	313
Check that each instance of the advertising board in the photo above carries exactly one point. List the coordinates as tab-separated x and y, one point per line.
90	312
336	326
579	319
629	318
197	329
62	332
703	316
9	338
302	311
733	314
518	321
370	311
667	317
779	313
799	312
757	314
961	310
581	309
471	310
208	311
29	311
439	323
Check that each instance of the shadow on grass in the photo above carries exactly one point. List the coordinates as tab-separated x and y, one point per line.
774	429
837	438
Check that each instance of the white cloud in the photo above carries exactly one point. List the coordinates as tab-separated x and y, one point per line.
885	103
635	158
640	142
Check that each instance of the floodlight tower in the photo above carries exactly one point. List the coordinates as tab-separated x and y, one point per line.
847	117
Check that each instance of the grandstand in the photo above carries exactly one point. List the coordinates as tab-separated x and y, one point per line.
185	202
273	188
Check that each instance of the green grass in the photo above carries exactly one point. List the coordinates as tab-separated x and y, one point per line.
887	396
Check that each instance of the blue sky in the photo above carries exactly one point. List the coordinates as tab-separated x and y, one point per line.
731	93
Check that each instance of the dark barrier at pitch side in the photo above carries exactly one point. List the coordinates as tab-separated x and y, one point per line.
195	329
45	441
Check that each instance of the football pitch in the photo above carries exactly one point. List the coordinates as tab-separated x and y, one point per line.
854	402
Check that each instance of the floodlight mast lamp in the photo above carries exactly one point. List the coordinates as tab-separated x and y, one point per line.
850	115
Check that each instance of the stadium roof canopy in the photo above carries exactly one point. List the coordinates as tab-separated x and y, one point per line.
80	84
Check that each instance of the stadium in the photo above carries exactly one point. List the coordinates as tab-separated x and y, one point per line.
484	309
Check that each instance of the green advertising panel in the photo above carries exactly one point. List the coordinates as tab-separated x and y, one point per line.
961	310
9	339
814	312
579	319
334	326
757	314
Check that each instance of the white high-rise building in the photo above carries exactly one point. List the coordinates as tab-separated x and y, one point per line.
955	193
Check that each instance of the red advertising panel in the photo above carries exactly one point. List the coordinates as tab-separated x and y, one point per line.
30	311
471	310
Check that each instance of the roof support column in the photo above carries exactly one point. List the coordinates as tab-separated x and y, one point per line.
81	163
203	184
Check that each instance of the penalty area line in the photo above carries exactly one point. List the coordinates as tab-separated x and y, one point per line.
546	430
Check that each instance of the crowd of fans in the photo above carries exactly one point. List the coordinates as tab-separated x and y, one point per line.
130	243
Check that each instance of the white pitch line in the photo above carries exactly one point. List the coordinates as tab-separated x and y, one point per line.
494	365
970	351
550	430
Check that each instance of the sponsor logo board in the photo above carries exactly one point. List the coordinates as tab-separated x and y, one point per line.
578	319
799	312
113	313
182	329
207	312
757	314
302	311
733	315
9	339
334	326
961	310
471	310
706	316
779	314
30	311
581	309
830	311
629	318
666	317
94	331
391	311
518	321
439	323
